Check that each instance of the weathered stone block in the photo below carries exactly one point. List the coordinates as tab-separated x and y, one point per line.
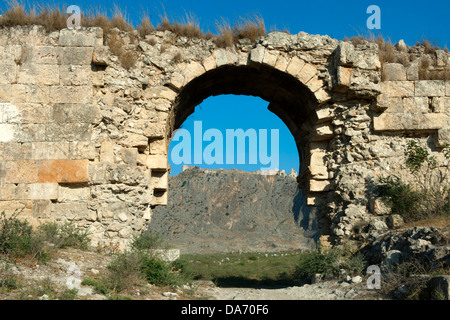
50	150
44	191
160	92
135	140
5	92
323	131
73	193
394	72
270	58
42	209
443	137
209	63
158	147
8	72
45	74
8	132
257	55
159	180
73	38
76	75
22	93
344	54
319	185
158	162
82	150
15	191
129	155
24	171
430	88
75	113
14	151
72	211
71	94
307	73
342	80
63	171
67	131
412	72
192	71
22	113
411	121
45	55
447	88
282	63
397	88
295	66
408	105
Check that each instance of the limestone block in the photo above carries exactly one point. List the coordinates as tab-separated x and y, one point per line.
14	151
46	55
5	92
159	180
397	88
73	193
42	209
282	63
176	81
394	72
344	54
66	131
75	113
77	55
158	147
8	72
76	75
322	96
411	121
107	152
153	130
71	94
24	171
243	59
443	137
447	88
295	66
72	211
323	131
21	113
63	171
319	185
224	57
342	81
46	74
101	56
384	101
24	132
135	140
270	58
11	207
73	38
192	71
44	191
159	198
408	105
441	104
129	155
158	162
50	150
323	114
209	63
307	73
315	84
430	88
15	191
412	72
82	150
7	132
160	92
257	55
22	93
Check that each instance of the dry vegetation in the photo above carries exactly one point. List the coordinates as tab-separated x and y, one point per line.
53	18
425	56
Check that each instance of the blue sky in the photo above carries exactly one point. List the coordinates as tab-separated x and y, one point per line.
409	20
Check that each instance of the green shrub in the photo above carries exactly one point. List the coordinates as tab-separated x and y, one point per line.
17	239
65	235
313	262
125	270
157	272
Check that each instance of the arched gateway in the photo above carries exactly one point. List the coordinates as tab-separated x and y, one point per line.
85	140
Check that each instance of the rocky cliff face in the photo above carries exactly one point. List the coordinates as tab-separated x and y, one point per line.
231	210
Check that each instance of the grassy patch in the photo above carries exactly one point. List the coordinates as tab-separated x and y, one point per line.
244	269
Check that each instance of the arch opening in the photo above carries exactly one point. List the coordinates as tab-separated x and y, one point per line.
288	98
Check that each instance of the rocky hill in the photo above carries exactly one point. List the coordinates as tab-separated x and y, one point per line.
230	210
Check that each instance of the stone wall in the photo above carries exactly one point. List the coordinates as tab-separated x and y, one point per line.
83	139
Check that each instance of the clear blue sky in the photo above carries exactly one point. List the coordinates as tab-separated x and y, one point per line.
409	20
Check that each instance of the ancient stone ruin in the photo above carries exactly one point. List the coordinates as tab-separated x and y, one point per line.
84	139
